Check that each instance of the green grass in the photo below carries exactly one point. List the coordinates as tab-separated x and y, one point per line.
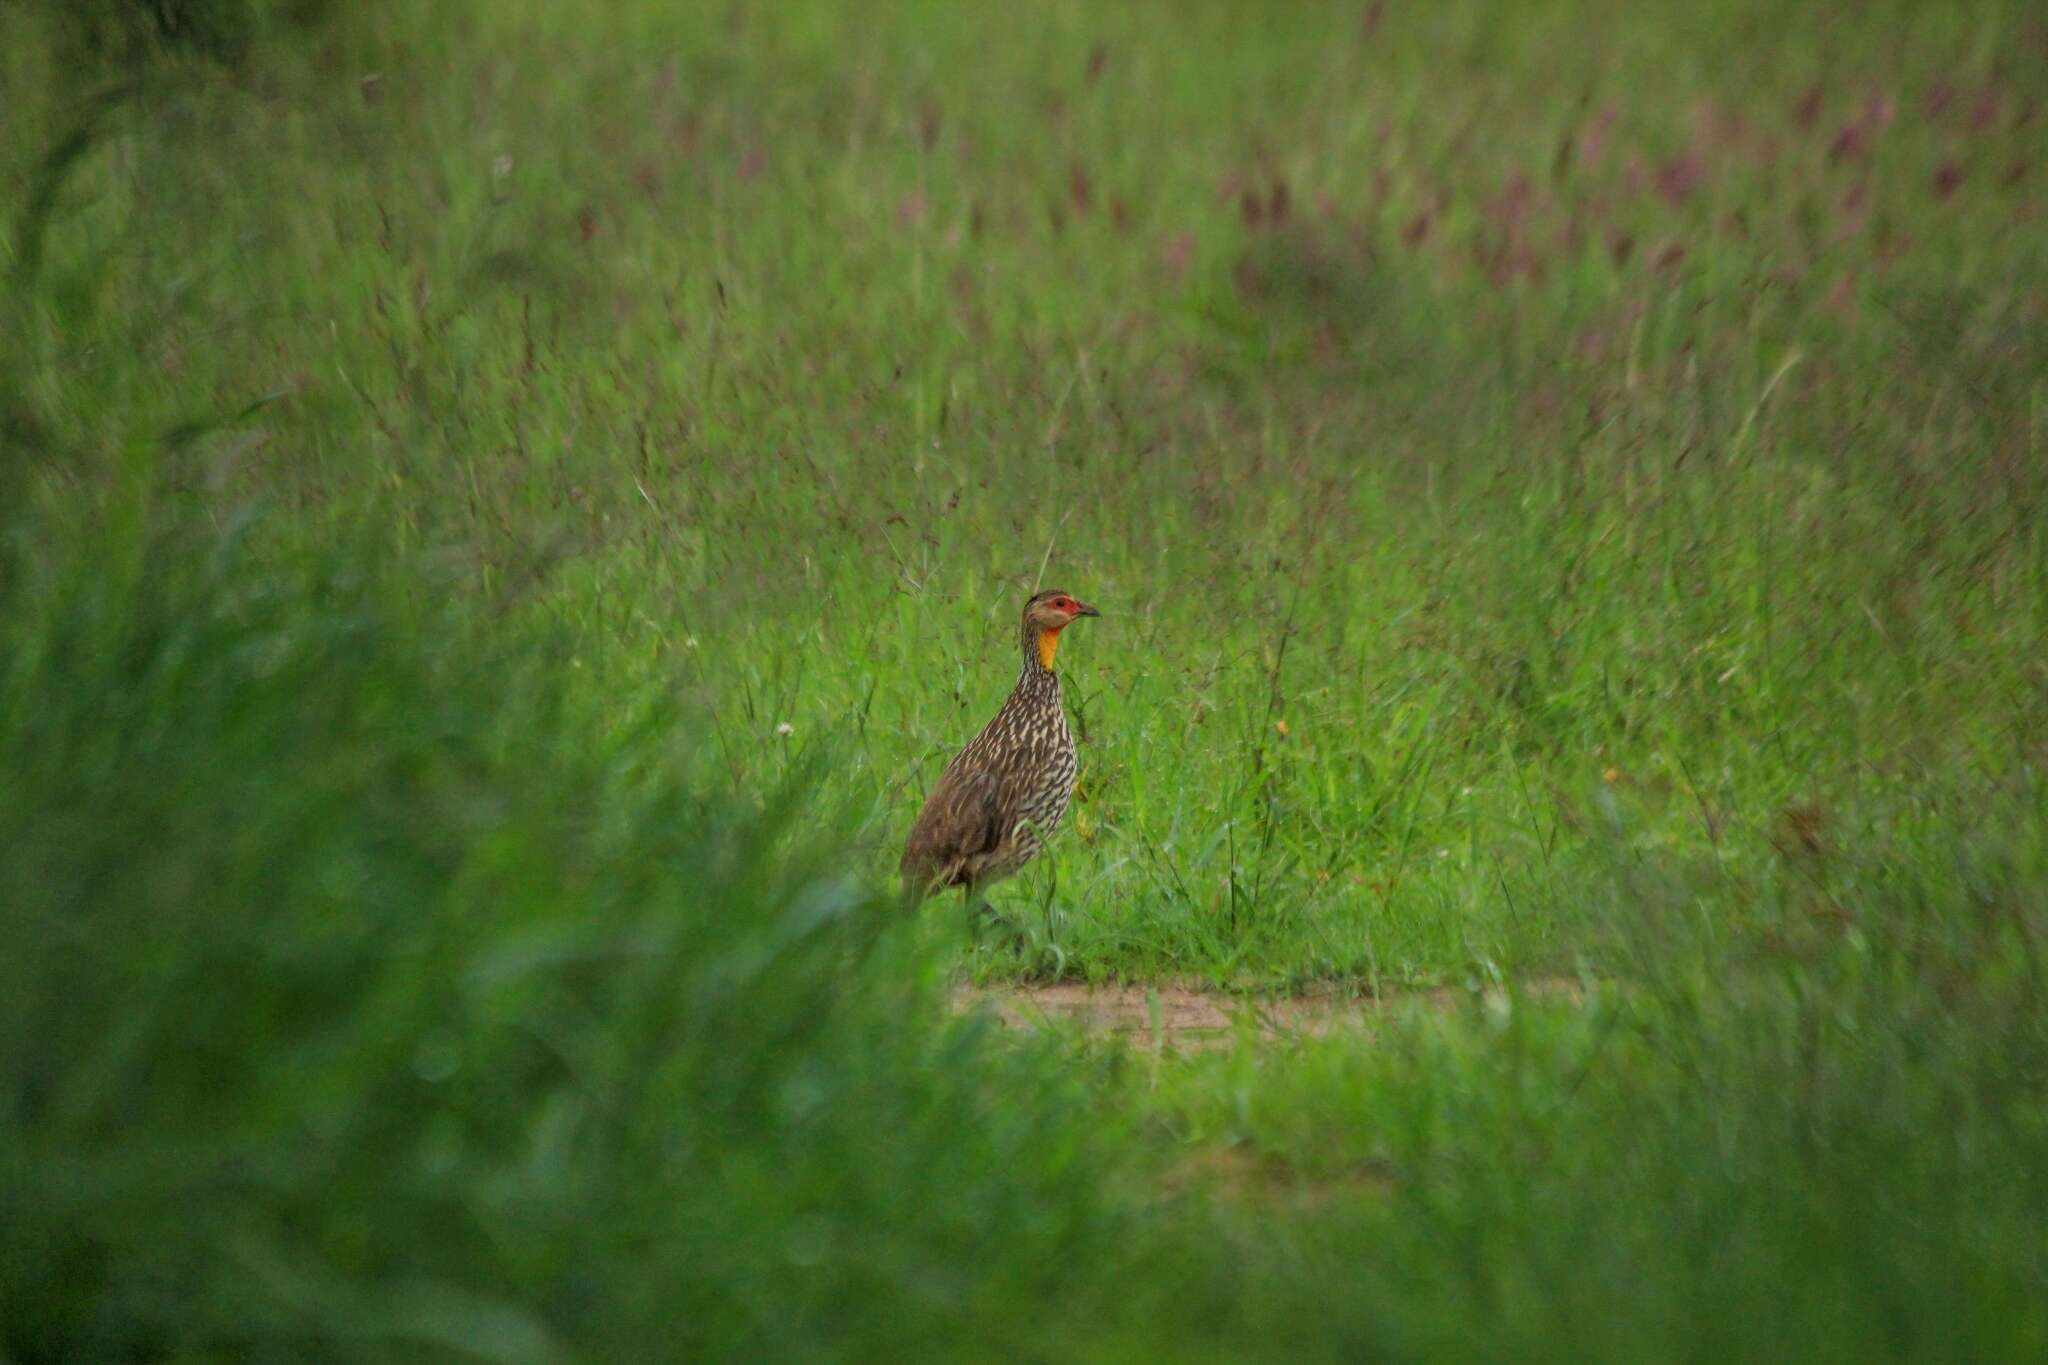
1564	485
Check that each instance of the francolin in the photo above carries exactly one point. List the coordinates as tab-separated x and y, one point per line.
1002	795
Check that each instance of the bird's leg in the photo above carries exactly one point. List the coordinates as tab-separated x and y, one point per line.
982	915
1052	884
1012	933
977	908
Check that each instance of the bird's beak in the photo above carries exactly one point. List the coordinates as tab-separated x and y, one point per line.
1089	611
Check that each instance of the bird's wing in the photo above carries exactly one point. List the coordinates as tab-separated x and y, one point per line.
960	821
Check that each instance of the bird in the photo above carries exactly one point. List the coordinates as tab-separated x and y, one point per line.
1003	795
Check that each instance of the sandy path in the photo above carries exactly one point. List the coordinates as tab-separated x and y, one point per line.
1188	1017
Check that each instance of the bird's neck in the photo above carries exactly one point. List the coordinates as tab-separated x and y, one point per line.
1039	647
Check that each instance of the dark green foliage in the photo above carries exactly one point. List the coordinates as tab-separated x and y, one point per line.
357	997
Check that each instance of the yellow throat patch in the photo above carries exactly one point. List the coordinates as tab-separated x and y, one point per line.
1048	641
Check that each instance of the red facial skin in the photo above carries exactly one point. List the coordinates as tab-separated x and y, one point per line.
1048	639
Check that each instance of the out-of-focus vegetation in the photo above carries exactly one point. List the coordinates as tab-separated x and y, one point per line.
507	506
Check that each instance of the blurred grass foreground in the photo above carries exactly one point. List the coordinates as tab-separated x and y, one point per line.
502	506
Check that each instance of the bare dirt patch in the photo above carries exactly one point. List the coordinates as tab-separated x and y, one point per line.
1179	1016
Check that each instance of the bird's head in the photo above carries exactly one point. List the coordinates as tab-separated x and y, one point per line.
1046	615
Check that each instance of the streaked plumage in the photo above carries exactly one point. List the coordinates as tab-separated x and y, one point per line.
1003	794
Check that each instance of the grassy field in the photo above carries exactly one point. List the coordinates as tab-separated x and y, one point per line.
507	508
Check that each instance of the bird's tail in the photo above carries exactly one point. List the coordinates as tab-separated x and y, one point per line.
918	876
925	877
